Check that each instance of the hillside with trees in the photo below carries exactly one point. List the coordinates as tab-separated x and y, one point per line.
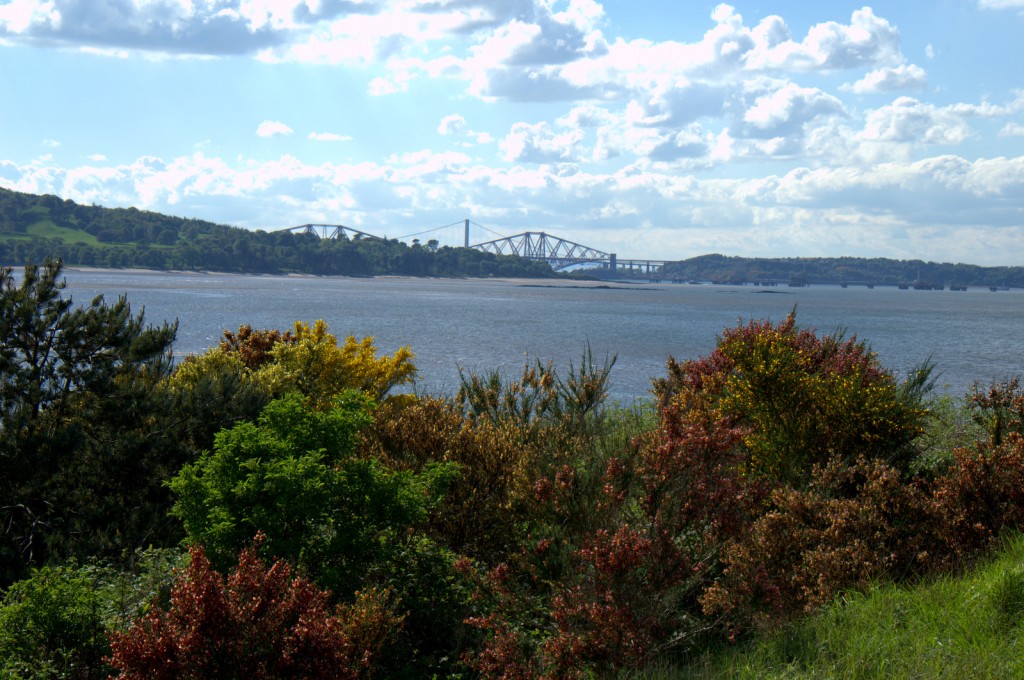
853	271
34	228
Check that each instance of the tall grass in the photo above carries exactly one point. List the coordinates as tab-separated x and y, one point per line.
967	626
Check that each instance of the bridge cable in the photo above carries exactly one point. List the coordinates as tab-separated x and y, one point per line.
421	233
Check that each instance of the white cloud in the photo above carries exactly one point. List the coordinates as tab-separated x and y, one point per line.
380	87
866	41
1012	130
273	128
538	143
50	143
329	137
97	158
1001	4
912	122
786	107
908	120
454	125
24	16
890	79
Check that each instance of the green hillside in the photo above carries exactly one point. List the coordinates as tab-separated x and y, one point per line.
33	228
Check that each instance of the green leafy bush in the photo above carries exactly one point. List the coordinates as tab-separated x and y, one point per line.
55	622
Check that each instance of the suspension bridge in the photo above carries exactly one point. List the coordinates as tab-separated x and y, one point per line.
561	254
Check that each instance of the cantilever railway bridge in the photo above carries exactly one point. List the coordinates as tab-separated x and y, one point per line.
560	253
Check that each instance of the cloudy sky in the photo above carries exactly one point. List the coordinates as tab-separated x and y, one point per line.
650	128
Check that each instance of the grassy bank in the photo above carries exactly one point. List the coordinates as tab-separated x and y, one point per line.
968	626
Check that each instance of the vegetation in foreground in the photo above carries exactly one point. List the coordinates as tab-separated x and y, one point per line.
965	626
273	508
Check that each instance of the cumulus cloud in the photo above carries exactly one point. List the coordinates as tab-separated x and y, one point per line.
866	41
539	143
273	128
329	137
786	108
890	79
910	121
454	125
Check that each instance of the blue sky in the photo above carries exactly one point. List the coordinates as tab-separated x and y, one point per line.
657	129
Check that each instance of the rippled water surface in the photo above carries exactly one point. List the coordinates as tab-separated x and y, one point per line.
483	324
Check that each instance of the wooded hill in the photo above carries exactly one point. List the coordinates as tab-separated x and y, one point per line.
853	271
33	228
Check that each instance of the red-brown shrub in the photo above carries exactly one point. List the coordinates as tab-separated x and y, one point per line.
852	525
258	623
981	495
253	346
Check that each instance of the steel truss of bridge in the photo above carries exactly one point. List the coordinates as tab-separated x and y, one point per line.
562	254
331	231
533	245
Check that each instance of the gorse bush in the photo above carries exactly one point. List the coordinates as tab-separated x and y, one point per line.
259	622
483	510
307	360
801	399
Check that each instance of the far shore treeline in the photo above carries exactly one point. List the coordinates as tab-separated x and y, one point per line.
34	228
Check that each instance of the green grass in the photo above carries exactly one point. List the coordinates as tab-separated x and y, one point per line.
969	626
47	229
44	228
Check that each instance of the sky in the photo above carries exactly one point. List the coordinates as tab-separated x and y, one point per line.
662	129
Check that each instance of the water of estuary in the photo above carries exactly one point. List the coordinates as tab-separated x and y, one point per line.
480	325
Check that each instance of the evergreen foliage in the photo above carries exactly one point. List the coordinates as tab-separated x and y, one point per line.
85	437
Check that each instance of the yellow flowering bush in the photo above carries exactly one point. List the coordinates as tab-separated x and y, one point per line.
799	399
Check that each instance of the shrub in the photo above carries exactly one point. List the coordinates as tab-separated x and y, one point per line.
254	348
852	525
315	366
54	623
1000	410
482	512
51	626
294	476
258	623
801	399
981	495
